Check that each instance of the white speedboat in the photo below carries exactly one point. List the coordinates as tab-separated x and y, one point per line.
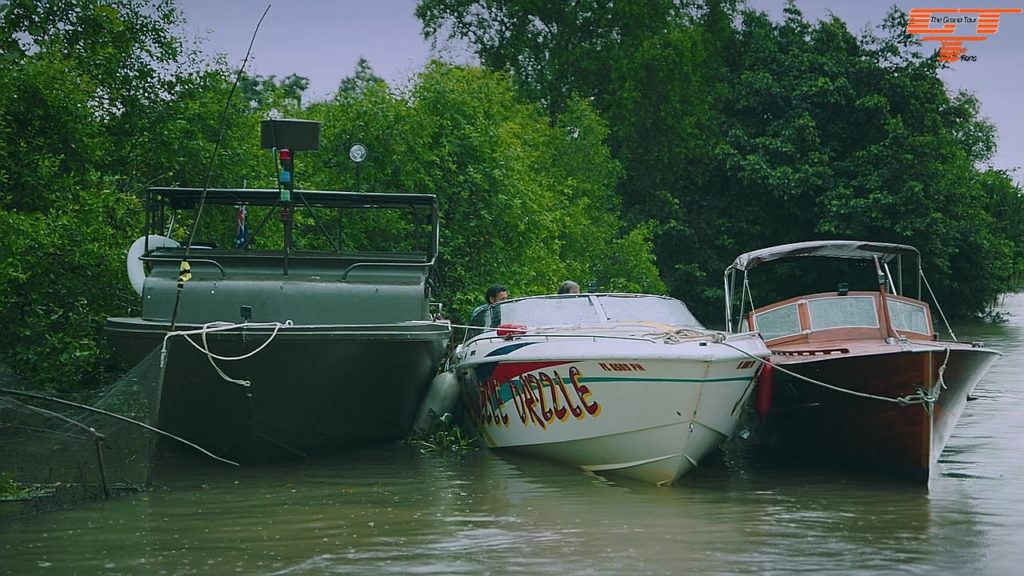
623	384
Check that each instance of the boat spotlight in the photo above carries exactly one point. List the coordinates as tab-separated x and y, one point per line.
357	153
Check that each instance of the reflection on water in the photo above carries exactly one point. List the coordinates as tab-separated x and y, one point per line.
391	510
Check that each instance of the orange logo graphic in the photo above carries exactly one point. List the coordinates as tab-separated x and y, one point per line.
985	20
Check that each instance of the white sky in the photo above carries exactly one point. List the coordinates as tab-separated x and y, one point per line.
323	39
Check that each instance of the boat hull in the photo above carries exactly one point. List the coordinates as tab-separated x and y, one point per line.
860	375
640	409
310	390
821	423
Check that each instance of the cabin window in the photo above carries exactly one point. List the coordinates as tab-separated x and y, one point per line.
907	317
778	322
843	312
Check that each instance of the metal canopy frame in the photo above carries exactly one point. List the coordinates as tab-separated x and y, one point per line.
841	249
161	198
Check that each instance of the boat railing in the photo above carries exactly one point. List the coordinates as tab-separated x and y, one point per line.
223	273
346	263
424	265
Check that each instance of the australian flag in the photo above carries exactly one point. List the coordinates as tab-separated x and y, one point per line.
240	236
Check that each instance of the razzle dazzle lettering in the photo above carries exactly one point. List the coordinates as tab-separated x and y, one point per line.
540	399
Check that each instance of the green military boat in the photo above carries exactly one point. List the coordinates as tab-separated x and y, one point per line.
309	333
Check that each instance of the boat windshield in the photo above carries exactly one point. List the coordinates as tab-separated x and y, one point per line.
908	316
843	312
573	310
828	312
823	313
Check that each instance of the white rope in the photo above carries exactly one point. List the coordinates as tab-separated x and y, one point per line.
922	397
683	335
224	326
206	347
940	384
221	327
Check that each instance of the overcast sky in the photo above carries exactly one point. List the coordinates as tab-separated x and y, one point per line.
323	39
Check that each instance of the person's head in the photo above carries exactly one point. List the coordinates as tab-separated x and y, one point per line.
569	287
496	293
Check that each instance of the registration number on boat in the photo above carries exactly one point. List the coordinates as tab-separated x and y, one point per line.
621	366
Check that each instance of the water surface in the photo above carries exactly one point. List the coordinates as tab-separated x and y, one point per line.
392	510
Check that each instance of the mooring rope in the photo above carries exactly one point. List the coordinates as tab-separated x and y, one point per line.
210	327
940	383
221	327
922	397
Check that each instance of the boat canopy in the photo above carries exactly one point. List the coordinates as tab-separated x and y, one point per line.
844	249
853	249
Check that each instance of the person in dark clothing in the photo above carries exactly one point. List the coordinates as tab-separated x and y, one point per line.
495	293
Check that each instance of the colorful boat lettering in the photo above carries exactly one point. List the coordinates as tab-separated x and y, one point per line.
539	398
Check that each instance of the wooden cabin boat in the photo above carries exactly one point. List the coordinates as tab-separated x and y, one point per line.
859	376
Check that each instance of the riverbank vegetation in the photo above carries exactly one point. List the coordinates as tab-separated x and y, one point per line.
636	146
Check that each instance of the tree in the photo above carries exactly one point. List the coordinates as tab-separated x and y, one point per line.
523	200
266	91
656	73
736	132
1005	203
99	100
90	108
844	138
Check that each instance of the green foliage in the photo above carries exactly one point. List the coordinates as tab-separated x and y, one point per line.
442	435
90	95
655	72
840	138
65	274
524	201
8	488
1005	203
267	92
636	145
100	100
736	132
